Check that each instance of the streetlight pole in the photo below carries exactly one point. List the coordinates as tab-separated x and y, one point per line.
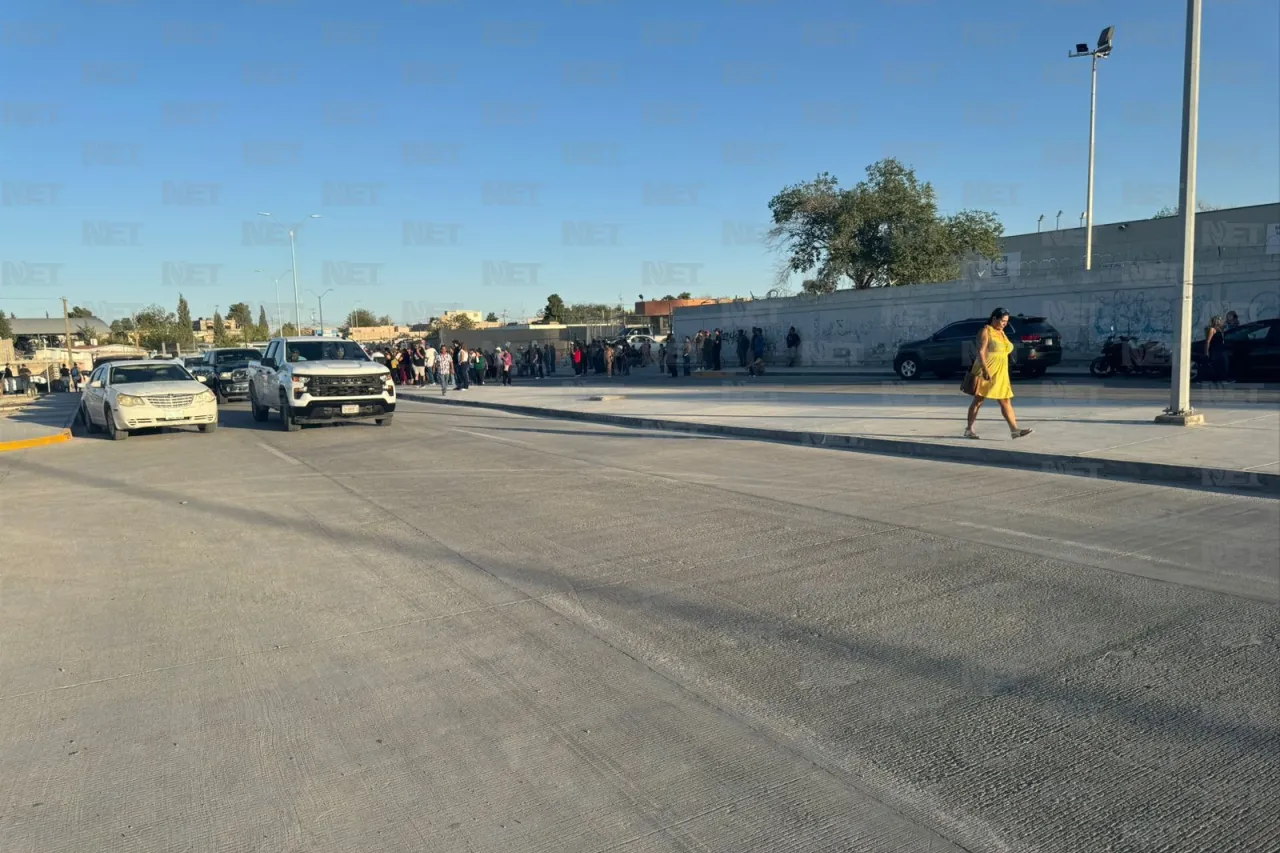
1102	51
293	254
320	301
1180	411
275	283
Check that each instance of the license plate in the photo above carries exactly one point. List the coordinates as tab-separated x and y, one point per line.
175	417
350	410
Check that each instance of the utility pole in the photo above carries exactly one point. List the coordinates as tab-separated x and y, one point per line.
66	323
1180	412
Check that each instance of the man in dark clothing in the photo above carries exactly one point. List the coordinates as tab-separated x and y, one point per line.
793	347
744	346
717	344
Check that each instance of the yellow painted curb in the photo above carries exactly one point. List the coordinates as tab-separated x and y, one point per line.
26	443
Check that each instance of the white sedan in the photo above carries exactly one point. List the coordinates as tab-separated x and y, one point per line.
127	395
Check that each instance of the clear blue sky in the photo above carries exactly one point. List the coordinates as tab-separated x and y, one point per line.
665	126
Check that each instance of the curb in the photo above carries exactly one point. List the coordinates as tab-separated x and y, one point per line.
1150	473
26	443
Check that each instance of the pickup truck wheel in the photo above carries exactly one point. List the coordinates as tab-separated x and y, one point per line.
287	423
385	420
259	413
113	432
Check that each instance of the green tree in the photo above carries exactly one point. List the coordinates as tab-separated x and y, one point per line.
77	313
122	330
884	231
86	332
361	317
385	320
463	322
685	295
264	328
155	328
554	312
288	329
491	317
6	330
185	331
592	312
1171	210
219	331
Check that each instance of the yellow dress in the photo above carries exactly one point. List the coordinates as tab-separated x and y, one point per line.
998	386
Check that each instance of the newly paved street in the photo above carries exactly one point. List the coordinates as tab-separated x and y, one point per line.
479	632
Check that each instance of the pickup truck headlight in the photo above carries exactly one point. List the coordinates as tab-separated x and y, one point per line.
130	400
224	375
388	384
205	396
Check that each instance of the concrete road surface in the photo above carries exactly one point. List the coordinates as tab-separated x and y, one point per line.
477	632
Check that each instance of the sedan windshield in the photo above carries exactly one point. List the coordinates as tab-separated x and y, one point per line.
322	350
237	356
130	374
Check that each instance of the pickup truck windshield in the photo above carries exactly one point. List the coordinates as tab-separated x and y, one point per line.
321	350
237	356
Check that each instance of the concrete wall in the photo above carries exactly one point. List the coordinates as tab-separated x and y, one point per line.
863	328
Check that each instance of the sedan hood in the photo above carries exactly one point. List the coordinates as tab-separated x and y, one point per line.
339	368
148	389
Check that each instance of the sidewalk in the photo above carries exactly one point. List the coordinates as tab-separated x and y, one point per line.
45	420
1238	449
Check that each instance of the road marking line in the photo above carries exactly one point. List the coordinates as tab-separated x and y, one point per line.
491	437
1042	538
280	453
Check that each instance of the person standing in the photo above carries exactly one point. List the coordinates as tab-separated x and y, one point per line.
576	357
551	358
688	355
608	361
419	360
444	371
8	385
716	347
75	377
989	375
1215	348
507	362
672	359
793	347
757	344
64	373
479	365
429	361
463	367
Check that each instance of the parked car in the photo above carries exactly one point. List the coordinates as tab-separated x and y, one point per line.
122	396
1253	350
1037	346
227	372
319	380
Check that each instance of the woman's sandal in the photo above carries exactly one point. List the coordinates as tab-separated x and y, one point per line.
968	433
1019	433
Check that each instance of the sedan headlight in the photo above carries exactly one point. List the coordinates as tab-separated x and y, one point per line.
205	396
130	400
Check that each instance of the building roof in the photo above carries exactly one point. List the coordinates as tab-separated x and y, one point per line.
41	326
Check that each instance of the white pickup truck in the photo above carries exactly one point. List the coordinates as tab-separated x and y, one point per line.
320	380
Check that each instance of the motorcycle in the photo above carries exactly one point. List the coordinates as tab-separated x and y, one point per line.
1122	355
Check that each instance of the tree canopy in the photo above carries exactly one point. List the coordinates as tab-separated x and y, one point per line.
361	317
491	317
554	311
884	231
78	313
6	330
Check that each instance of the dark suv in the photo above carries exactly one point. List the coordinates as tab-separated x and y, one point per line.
1037	346
227	371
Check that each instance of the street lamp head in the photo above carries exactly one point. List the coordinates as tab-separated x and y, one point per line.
315	216
262	213
1104	41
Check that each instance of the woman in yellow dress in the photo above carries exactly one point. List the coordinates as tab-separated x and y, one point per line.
991	370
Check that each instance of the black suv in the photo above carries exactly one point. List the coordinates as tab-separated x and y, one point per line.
1037	346
227	371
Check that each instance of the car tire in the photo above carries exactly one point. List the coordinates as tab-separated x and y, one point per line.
113	432
1101	367
907	367
259	413
213	427
287	423
90	427
385	420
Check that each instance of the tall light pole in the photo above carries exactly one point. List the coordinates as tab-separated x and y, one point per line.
275	283
320	300
293	254
1180	411
1102	51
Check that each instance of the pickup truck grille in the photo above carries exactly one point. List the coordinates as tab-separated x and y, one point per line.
170	401
345	386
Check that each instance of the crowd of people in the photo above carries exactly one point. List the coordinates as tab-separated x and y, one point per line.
456	367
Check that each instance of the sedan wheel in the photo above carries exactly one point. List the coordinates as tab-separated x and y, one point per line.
113	431
89	426
908	368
